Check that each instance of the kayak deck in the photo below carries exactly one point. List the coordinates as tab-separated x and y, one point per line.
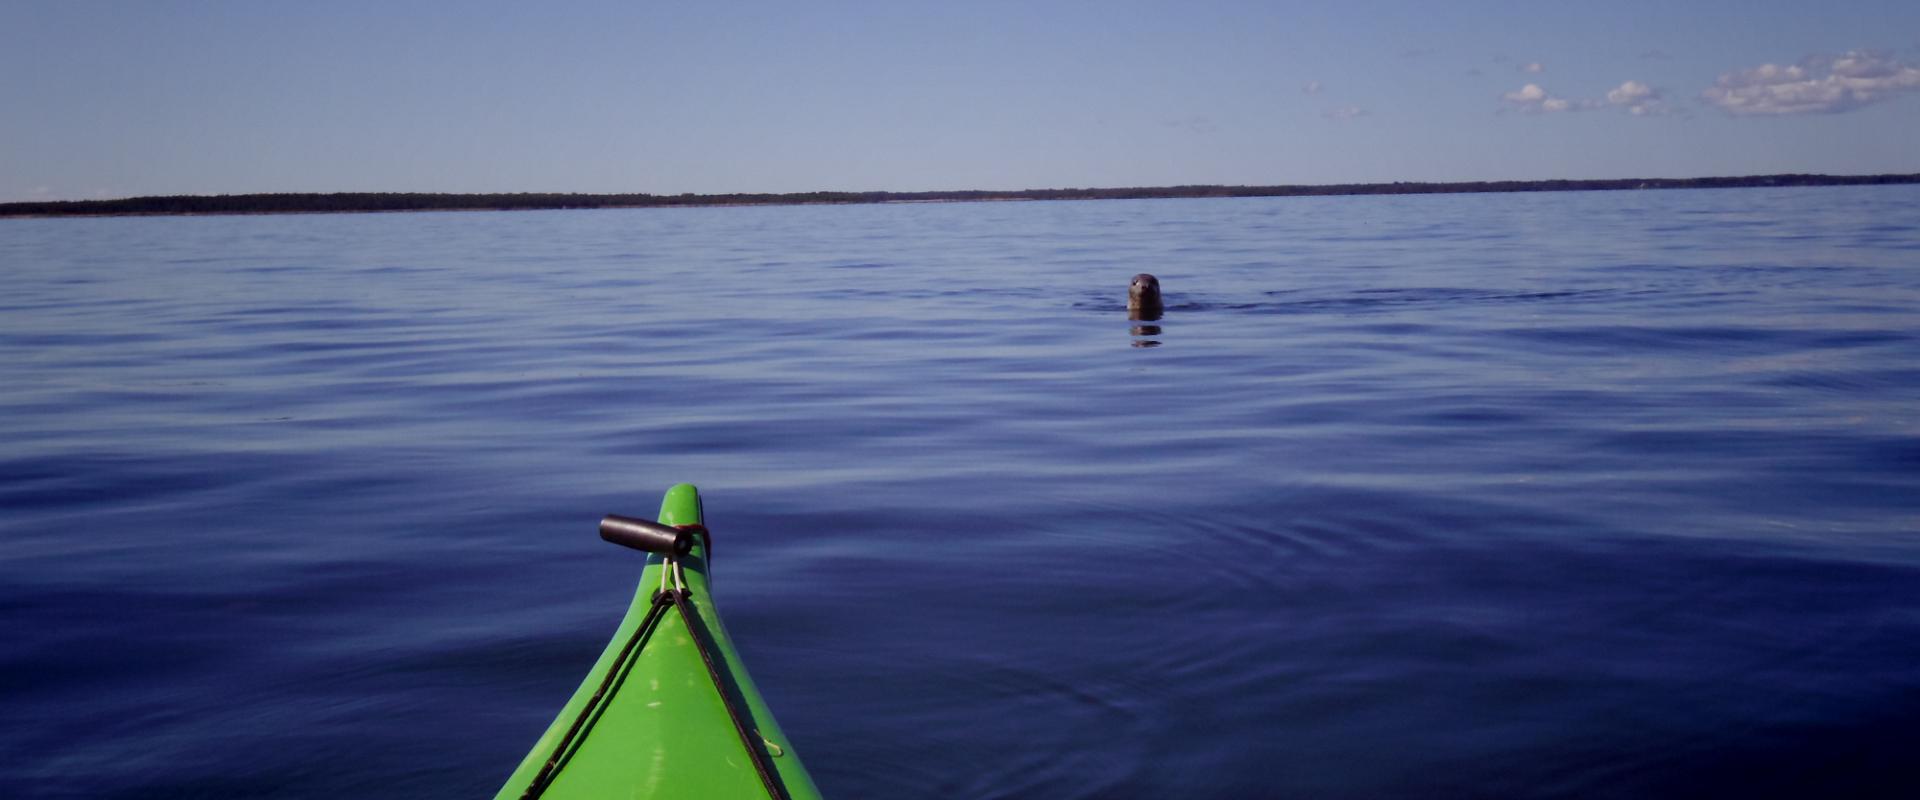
662	726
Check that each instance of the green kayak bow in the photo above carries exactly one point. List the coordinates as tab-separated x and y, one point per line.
668	709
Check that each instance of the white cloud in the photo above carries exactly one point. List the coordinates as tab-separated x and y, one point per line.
1530	93
1311	87
1534	100
1637	98
1815	86
1344	112
1629	93
1533	68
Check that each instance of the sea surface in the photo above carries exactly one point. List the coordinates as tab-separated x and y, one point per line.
1606	494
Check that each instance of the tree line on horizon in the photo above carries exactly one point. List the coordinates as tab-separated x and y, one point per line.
342	202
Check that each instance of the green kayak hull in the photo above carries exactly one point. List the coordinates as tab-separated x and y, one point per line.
662	729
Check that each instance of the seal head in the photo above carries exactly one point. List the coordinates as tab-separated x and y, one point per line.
1143	297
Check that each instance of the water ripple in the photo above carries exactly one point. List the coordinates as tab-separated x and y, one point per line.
1583	494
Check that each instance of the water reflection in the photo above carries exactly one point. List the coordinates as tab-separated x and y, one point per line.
1145	315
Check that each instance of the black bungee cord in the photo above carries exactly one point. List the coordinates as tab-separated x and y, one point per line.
671	543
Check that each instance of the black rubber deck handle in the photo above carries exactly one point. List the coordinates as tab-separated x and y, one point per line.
645	535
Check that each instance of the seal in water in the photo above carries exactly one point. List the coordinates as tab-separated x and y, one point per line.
1143	298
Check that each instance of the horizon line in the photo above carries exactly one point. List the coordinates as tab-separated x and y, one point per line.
364	202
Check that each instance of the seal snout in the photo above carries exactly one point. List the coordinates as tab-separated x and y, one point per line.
1143	294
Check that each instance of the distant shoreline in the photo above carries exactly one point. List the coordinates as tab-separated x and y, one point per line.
365	202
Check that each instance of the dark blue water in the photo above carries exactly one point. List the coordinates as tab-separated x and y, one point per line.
1584	494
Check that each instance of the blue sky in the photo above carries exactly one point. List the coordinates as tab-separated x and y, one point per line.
112	99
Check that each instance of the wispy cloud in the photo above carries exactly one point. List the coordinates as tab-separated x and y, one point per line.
1197	123
1656	54
1533	68
25	194
1345	113
1814	86
1311	87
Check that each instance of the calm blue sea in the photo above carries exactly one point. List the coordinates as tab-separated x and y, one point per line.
1540	495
